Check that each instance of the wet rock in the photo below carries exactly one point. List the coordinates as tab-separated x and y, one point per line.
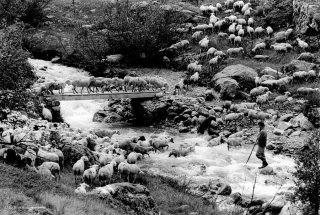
184	129
194	120
184	116
177	119
187	111
218	109
284	125
286	117
227	87
277	131
112	117
187	122
171	116
302	121
295	133
203	111
267	171
236	197
201	119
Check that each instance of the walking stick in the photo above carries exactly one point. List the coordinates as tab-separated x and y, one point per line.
250	153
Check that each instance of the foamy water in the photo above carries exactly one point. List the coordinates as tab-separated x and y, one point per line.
221	163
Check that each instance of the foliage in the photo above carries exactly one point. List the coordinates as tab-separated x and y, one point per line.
278	13
135	32
308	173
28	11
16	74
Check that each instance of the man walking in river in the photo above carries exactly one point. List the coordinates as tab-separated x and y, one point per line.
262	142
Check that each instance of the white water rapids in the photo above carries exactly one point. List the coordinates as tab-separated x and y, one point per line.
227	165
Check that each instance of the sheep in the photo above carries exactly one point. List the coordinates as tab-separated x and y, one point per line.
226	105
304	75
158	143
194	67
234	51
258	91
219	6
250	31
232	18
222	35
47	156
204	43
232	28
234	141
216	141
250	22
241	33
105	132
282	99
237	41
231	38
96	83
220	53
241	22
81	189
219	24
249	105
54	169
247	13
228	3
78	168
105	159
211	52
233	117
196	35
106	172
179	88
133	157
306	90
194	78
307	56
258	47
125	168
288	33
60	155
262	99
258	31
138	83
239	133
80	83
239	27
90	174
204	9
117	83
302	44
45	172
267	77
46	113
181	152
245	7
214	62
143	150
56	86
238	5
269	31
213	19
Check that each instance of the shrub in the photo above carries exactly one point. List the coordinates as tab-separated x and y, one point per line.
135	32
308	173
278	13
30	11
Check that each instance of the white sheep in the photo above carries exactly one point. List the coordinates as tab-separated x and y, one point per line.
133	157
306	91
78	168
89	175
228	3
258	91
194	78
219	24
302	44
48	156
54	169
211	52
258	31
259	47
105	159
262	99
106	172
237	41
222	35
231	38
280	36
204	43
133	169
234	141
196	35
282	99
234	51
220	53
233	117
219	6
113	59
307	56
232	18
269	31
247	13
84	83
250	31
250	22
241	32
160	143
82	189
194	67
232	28
46	113
241	21
213	19
214	62
288	33
245	7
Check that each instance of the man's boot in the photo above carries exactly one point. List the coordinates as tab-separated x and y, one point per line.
264	164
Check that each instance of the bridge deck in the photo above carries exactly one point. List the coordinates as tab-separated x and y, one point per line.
114	95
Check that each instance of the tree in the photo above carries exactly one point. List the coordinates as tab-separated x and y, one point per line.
308	173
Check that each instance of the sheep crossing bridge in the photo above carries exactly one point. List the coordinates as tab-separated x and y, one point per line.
114	95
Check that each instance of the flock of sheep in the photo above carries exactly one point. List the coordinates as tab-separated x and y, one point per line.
102	84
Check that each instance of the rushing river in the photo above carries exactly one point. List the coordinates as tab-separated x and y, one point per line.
221	163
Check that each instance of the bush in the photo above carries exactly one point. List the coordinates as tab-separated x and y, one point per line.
308	173
135	32
16	73
28	11
278	13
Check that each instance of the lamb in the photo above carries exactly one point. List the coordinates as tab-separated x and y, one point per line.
307	56
241	22
90	174
46	113
133	157
258	91
196	35
269	31
259	46
258	31
106	172
234	141
288	33
214	62
78	168
250	22
302	44
80	83
47	156
133	169
262	99
81	189
233	117
241	33
282	99
211	52
250	31
216	141
234	51
237	41
204	43
54	169
158	143
232	28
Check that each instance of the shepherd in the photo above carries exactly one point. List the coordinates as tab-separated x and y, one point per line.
262	142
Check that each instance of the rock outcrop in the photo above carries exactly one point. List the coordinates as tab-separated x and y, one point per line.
306	15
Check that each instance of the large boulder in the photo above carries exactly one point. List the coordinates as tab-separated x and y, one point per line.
302	121
227	87
305	15
244	75
131	197
298	65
